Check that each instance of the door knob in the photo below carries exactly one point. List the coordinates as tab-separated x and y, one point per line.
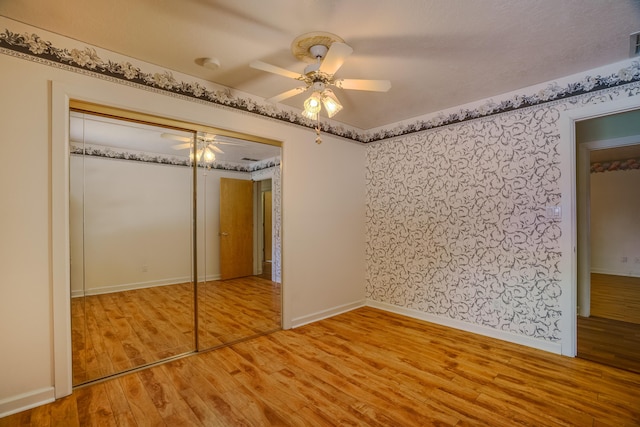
224	234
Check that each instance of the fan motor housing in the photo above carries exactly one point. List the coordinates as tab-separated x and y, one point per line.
306	46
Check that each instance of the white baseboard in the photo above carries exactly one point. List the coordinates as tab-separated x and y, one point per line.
324	314
470	327
139	285
25	401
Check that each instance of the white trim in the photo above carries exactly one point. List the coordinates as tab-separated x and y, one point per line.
25	401
568	187
139	285
469	327
325	314
583	230
60	252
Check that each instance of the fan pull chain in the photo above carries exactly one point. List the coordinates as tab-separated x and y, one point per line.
318	139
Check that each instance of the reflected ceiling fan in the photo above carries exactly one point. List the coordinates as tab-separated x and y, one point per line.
326	53
206	147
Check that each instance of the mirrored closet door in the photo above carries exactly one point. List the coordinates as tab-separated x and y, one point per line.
151	205
238	292
131	247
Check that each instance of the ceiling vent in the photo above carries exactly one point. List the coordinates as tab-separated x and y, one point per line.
249	159
635	45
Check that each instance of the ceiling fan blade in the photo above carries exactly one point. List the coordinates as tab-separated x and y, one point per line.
181	146
287	94
216	149
176	137
357	84
259	65
335	57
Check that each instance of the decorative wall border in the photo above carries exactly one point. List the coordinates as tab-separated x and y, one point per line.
615	165
163	159
33	47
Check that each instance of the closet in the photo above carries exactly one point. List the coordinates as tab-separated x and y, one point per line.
149	241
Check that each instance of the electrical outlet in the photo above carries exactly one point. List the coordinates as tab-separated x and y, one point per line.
145	268
624	259
637	261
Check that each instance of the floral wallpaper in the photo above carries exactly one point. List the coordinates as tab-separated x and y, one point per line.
273	173
33	47
456	219
276	188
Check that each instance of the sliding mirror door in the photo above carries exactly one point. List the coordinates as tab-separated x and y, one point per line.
155	210
131	216
239	293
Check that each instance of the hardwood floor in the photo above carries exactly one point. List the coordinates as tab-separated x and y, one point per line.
364	367
119	331
612	334
615	297
116	332
231	310
611	342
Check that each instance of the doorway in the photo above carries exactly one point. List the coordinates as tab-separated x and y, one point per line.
146	284
608	327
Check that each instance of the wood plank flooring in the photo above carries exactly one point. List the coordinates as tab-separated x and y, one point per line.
615	297
612	334
366	367
118	331
115	332
611	342
235	309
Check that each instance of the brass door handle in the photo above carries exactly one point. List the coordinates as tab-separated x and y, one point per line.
223	234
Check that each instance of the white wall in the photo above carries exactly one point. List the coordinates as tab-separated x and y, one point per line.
322	205
137	224
615	223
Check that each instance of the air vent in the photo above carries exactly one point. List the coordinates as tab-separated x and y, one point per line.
249	160
635	44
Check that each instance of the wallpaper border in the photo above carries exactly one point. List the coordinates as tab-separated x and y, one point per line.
615	165
161	159
33	47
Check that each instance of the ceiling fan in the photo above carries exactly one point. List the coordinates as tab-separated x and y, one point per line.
207	145
326	53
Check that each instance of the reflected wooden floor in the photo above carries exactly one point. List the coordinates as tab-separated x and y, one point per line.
365	367
124	330
119	331
235	309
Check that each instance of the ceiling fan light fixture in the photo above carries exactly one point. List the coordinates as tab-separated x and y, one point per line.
309	115
331	103
313	104
209	155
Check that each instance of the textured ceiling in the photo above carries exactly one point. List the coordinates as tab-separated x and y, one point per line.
437	53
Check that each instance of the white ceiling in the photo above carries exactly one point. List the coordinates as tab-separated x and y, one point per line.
437	53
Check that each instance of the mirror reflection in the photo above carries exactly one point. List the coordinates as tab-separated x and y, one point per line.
138	232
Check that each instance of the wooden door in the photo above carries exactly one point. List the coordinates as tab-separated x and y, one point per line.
236	228
267	225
